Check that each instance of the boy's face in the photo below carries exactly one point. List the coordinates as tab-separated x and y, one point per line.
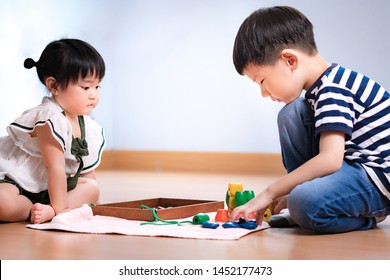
280	81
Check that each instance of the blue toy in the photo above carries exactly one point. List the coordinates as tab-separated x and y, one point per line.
230	225
251	224
210	225
241	223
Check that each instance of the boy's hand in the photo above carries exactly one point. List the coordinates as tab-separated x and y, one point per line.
280	204
258	205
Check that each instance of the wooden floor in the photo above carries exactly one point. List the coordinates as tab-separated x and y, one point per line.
19	242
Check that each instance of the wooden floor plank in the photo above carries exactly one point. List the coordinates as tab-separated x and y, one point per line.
19	242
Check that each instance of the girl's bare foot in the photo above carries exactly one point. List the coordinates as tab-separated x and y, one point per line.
41	213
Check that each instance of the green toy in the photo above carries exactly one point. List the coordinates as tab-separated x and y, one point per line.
196	220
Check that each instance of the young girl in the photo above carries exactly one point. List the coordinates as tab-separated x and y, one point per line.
48	159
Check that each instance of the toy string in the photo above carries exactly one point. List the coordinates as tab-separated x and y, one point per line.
160	222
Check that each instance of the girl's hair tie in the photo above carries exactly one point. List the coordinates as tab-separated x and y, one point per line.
30	63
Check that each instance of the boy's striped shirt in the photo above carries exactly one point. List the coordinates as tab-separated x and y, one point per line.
349	102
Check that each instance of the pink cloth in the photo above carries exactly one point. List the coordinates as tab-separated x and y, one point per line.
82	220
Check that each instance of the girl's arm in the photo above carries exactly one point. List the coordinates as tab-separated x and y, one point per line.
53	157
329	160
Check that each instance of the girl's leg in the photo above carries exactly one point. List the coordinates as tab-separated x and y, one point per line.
296	133
13	206
343	201
86	192
41	213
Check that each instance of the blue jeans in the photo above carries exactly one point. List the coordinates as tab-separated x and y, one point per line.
343	201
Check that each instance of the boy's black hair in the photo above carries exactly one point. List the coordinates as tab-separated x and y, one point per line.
266	32
67	60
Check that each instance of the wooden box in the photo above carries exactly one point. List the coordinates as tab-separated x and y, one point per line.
166	208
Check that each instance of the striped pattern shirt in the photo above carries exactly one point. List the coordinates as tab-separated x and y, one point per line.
349	102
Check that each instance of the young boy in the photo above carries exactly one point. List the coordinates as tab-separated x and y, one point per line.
335	141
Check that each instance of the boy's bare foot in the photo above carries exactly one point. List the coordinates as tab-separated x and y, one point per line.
41	213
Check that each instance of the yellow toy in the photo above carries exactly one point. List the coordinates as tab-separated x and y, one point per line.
268	213
230	194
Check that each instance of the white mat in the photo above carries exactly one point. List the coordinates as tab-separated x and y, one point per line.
82	220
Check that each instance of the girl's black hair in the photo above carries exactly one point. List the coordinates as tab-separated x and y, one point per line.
67	60
266	32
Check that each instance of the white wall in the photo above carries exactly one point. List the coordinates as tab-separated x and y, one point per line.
170	83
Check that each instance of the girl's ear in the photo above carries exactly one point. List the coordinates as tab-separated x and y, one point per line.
290	57
51	85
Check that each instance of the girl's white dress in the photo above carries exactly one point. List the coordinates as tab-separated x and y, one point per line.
20	157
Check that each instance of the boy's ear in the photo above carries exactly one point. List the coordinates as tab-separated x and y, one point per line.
290	57
51	85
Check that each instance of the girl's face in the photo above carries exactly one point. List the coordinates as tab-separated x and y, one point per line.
79	98
278	81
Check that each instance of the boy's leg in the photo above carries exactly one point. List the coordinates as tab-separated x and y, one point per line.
296	133
343	201
298	144
350	201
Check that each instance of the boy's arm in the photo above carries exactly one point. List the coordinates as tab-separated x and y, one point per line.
329	160
53	157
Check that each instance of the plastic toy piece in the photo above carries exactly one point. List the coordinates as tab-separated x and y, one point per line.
242	197
240	221
249	225
157	221
239	199
231	192
200	218
222	215
236	196
230	225
268	213
210	225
